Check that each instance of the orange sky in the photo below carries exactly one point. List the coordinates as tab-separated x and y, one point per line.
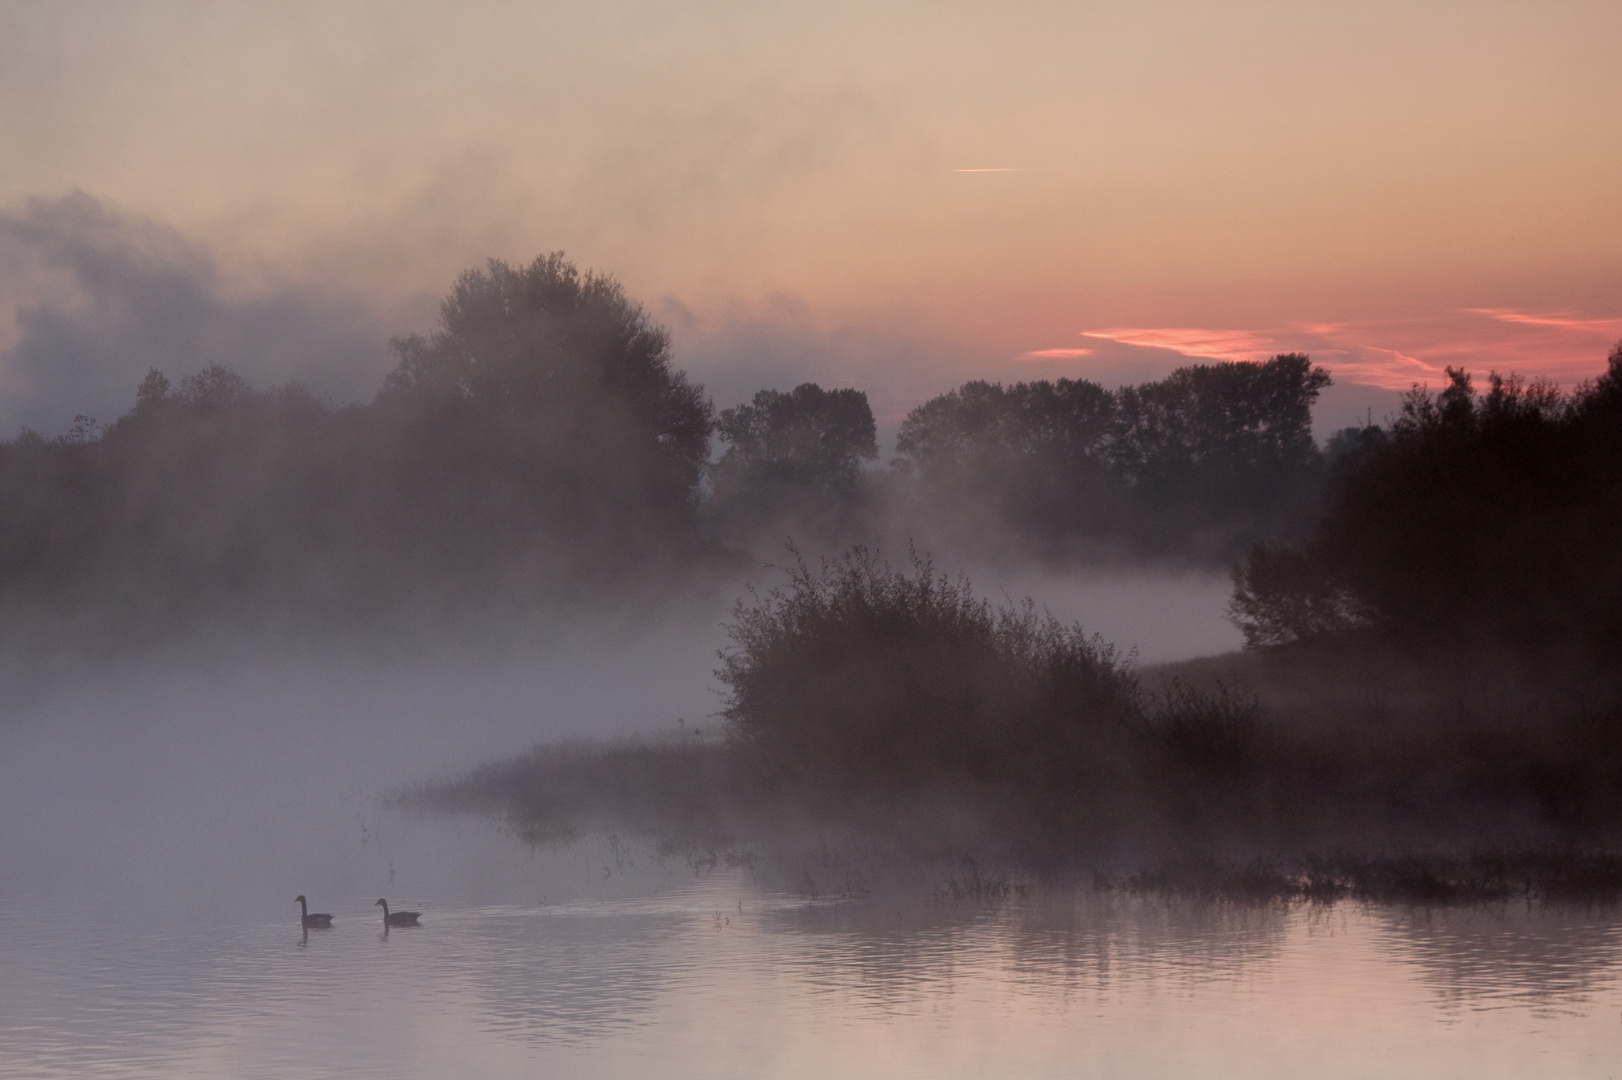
902	195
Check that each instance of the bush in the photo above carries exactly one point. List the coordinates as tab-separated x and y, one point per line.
863	676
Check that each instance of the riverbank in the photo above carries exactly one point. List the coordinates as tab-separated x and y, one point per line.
1312	774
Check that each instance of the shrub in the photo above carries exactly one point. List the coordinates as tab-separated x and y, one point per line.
859	675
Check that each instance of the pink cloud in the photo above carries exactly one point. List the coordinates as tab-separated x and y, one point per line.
1554	320
1374	365
1395	355
1204	344
1054	354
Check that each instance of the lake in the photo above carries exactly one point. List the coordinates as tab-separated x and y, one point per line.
713	975
155	825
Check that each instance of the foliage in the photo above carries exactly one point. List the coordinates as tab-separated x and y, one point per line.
1201	460
1478	517
860	675
808	437
540	441
1045	754
1280	595
1037	453
558	399
793	456
1220	434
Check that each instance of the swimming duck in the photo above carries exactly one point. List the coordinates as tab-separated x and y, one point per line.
311	922
398	918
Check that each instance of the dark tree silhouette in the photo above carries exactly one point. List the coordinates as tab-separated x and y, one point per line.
567	391
540	442
1033	458
1480	517
1280	595
808	439
1208	458
794	464
1214	446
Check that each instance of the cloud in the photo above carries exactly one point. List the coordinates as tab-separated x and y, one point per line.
1054	354
90	298
1396	354
1563	320
1204	344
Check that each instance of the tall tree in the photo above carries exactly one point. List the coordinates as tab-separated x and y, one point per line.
1221	442
793	462
548	401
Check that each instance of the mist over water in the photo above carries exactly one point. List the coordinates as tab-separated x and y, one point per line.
1162	616
159	813
160	809
212	781
185	789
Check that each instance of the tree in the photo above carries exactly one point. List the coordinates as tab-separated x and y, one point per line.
1479	517
808	439
547	402
1035	457
1069	423
1281	595
1208	459
213	389
1221	446
539	444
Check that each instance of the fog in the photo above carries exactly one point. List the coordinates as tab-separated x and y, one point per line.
92	294
218	779
95	296
234	785
752	538
242	616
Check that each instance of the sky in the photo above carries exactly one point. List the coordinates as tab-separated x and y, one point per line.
892	196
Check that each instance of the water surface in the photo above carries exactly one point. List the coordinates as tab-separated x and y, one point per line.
715	976
155	826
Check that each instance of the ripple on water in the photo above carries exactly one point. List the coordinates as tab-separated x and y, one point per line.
722	979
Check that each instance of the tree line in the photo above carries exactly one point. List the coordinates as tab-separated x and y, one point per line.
1194	465
542	443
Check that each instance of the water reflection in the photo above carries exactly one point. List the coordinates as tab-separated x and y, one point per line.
1497	955
721	978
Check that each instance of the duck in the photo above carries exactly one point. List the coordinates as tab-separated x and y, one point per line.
311	922
398	918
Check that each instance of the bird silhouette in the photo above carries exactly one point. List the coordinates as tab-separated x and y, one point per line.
398	918
311	922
